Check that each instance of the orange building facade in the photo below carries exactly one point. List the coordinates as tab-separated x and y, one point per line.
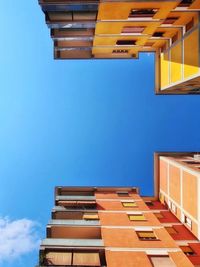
96	29
115	226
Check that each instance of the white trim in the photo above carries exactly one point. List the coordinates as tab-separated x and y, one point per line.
179	165
184	211
148	251
133	227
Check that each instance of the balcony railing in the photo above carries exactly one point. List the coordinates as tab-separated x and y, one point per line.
74	222
62	242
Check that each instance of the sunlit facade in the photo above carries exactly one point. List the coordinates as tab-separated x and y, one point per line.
84	29
116	226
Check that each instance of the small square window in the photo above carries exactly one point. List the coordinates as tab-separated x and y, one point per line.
187	250
158	34
126	42
129	204
146	235
173	208
188	222
90	216
142	13
123	194
149	203
136	217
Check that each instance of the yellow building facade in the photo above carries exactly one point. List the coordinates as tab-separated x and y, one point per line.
122	29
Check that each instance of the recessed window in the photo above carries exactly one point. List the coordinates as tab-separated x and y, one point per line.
175	38
159	215
136	217
142	13
133	29
129	204
188	222
162	261
170	20
149	203
146	235
187	250
158	34
171	230
123	194
125	42
185	3
189	25
120	51
90	216
77	204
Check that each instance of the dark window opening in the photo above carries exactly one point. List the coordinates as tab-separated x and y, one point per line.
175	38
142	13
187	250
170	20
185	3
149	203
158	34
123	194
133	29
189	25
125	42
146	235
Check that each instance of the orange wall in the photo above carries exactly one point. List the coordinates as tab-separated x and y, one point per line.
117	205
190	194
122	219
127	259
174	183
128	238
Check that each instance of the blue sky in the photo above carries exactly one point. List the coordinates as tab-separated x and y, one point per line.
76	122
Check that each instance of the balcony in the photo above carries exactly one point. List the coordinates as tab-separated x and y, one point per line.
75	197
75	222
64	242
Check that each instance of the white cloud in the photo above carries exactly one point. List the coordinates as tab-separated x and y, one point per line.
17	238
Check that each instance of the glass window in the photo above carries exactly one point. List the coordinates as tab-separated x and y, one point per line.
162	261
146	235
129	204
136	217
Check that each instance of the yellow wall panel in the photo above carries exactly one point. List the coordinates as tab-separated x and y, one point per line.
164	69
176	63
121	10
191	54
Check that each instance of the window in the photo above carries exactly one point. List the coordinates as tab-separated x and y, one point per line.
188	222
136	217
90	216
76	258
169	204
185	3
133	29
129	204
158	34
159	215
78	204
142	13
146	235
170	20
120	51
123	194
187	250
175	38
162	261
126	42
189	25
171	230
149	203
